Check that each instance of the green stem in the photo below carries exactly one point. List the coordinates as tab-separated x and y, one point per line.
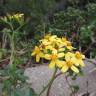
12	52
49	84
12	44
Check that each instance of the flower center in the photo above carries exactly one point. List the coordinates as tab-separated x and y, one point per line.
78	55
38	51
54	56
69	63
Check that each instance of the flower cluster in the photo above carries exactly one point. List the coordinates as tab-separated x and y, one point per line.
18	17
59	51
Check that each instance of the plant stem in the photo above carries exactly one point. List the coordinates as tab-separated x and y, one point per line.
12	49
49	84
72	91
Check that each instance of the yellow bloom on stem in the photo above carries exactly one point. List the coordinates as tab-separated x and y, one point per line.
79	55
54	57
53	41
79	58
69	45
16	16
52	38
45	42
70	63
53	49
59	42
39	54
64	40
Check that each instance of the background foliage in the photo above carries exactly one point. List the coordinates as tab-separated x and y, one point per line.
74	18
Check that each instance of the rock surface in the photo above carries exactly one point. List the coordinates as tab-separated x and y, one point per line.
39	77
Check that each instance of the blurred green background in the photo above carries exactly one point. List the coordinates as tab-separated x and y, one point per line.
75	19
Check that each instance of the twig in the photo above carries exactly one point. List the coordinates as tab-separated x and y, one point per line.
4	59
88	60
21	52
88	48
4	78
58	74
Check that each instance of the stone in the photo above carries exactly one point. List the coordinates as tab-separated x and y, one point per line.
40	75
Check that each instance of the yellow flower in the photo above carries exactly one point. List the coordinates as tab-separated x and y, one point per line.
79	55
59	43
64	40
45	42
53	41
54	57
16	16
79	58
70	63
39	54
69	45
52	38
53	49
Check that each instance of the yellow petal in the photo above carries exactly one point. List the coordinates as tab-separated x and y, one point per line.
70	48
37	58
54	51
49	47
64	44
75	61
83	56
45	42
64	68
61	49
74	69
47	56
60	55
52	64
60	63
68	56
52	38
81	63
33	54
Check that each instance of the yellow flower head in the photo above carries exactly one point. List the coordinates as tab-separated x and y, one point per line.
39	54
11	18
79	55
79	58
70	63
54	58
15	16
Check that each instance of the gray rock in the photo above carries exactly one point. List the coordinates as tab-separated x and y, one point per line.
40	75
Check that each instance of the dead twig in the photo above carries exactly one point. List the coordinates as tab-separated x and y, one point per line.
91	61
